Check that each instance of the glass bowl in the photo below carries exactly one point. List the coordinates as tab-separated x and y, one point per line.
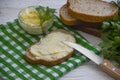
30	22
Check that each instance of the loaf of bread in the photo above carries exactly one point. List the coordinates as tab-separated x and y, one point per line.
51	50
91	10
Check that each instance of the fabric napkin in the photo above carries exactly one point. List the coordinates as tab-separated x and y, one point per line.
13	43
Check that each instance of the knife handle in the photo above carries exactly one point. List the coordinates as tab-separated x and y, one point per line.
110	69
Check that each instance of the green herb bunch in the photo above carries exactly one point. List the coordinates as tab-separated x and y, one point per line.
117	4
111	38
45	14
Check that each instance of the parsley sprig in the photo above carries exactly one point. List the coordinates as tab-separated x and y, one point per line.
45	14
111	37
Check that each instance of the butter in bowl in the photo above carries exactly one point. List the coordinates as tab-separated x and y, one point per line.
36	19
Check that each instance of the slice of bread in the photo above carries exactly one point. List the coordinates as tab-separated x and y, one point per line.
50	50
65	17
91	10
69	20
90	30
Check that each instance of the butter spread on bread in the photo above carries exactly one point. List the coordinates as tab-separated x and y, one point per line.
51	49
52	45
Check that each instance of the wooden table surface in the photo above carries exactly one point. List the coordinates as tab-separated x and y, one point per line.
9	10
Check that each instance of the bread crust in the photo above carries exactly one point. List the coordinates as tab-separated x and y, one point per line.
31	59
90	18
66	21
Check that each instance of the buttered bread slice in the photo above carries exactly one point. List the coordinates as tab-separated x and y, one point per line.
51	50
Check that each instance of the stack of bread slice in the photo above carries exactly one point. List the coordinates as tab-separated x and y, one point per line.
87	15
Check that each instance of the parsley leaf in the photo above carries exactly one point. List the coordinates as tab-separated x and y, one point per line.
45	14
111	38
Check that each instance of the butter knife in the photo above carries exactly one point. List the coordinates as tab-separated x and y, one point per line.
104	64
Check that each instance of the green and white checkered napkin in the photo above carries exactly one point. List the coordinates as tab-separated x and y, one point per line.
13	43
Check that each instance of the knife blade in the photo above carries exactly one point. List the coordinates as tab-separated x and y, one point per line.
97	59
104	64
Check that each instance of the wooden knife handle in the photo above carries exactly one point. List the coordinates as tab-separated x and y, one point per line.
110	69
